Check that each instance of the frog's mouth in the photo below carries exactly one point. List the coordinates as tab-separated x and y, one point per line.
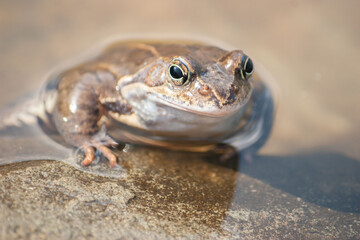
218	113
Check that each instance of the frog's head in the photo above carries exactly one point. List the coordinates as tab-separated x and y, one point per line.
203	81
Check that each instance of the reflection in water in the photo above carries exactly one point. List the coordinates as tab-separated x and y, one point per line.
330	180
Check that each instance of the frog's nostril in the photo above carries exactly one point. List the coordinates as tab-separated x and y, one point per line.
205	90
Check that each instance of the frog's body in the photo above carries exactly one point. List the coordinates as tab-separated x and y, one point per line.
177	95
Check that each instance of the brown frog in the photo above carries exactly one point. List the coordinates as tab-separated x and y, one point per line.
180	95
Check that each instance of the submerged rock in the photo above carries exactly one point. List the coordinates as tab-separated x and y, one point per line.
164	195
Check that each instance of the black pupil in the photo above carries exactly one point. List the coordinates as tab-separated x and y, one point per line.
249	66
176	72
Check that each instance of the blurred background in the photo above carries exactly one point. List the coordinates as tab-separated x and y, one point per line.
311	48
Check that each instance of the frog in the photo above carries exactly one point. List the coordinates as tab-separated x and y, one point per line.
182	95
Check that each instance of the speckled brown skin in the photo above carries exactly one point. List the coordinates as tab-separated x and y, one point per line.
93	90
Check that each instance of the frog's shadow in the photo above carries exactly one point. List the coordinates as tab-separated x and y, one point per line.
326	179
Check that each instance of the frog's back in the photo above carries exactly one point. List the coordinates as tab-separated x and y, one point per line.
126	57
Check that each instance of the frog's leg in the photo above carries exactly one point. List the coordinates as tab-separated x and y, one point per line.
79	107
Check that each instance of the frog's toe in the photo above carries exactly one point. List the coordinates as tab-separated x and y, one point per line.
89	156
108	154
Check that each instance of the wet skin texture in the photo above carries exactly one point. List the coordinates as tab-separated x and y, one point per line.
180	95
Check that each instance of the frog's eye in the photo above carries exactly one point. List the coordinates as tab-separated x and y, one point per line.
246	67
178	72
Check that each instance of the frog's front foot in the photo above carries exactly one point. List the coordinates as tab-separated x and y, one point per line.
90	155
99	142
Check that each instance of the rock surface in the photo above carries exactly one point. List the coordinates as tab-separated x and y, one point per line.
164	195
